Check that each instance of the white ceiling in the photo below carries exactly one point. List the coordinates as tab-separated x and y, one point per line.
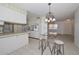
61	11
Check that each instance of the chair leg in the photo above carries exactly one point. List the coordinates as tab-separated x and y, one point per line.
39	44
63	49
54	48
41	47
49	48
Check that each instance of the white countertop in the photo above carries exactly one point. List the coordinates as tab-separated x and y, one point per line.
12	34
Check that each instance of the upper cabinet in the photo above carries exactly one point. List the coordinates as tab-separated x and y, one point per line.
9	15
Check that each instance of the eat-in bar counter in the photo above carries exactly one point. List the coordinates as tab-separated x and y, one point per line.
11	42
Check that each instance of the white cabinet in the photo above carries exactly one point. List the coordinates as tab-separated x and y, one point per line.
9	15
12	42
1	22
34	34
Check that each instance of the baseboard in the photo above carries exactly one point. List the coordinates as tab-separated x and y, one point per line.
68	34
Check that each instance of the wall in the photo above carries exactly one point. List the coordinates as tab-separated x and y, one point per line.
32	20
65	27
9	15
42	26
60	27
9	43
76	28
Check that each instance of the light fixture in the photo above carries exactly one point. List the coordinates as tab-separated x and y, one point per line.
49	16
54	19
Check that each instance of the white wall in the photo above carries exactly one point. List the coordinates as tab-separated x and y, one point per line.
60	27
32	20
9	43
76	28
6	14
68	27
65	27
42	25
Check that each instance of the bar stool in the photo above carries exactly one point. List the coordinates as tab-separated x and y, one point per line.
44	43
58	47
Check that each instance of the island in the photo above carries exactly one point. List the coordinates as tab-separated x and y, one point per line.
11	42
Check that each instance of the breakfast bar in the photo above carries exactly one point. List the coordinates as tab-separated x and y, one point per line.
12	42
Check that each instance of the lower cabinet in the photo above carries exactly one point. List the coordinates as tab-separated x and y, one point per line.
10	43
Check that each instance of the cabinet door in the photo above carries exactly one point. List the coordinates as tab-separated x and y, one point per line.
1	29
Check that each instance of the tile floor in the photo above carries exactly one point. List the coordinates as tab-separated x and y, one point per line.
32	48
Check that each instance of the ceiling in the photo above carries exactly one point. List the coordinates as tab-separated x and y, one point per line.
61	11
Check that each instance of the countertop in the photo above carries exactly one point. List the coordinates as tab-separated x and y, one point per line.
3	35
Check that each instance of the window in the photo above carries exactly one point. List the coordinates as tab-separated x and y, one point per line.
53	28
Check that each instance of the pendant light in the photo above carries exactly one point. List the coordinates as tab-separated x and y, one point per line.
49	16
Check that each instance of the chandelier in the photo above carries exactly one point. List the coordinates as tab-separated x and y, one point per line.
49	16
